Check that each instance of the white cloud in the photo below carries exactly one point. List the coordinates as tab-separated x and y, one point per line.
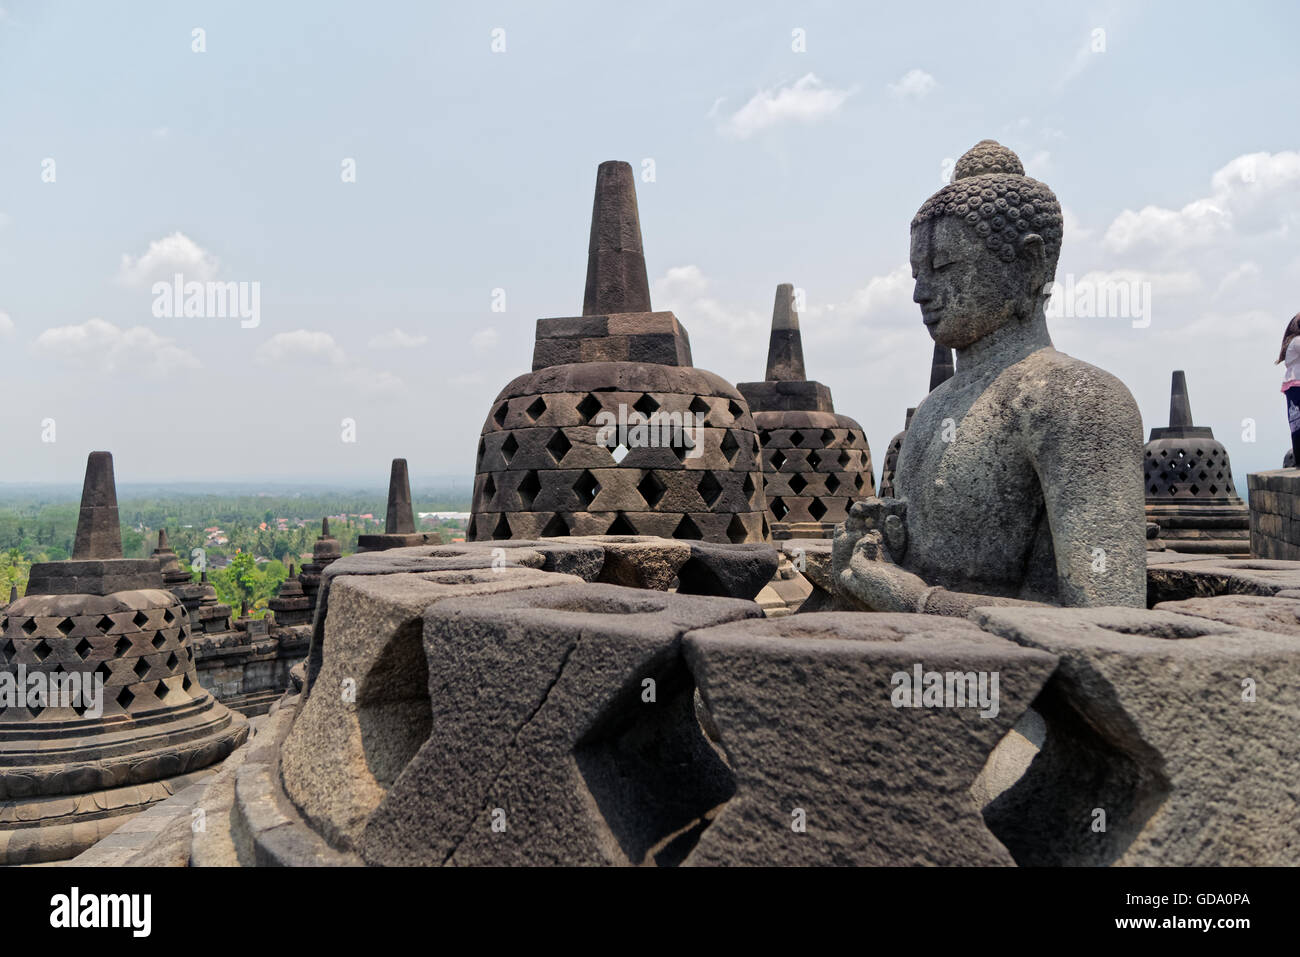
298	346
109	348
6	325
913	84
164	258
1256	193
884	296
304	348
397	339
484	340
807	100
1247	270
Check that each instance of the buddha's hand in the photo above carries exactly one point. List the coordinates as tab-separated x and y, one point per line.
865	555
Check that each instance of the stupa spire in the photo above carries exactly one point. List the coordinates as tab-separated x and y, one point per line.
99	534
616	273
941	366
785	347
1180	406
399	518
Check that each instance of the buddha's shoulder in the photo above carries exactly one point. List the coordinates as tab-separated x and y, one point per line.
1051	369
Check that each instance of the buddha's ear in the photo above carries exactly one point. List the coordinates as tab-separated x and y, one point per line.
1034	251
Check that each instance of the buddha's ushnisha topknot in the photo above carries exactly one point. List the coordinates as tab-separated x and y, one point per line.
987	156
1001	207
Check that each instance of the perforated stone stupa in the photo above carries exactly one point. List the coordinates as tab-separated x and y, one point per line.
614	431
74	765
816	462
1189	488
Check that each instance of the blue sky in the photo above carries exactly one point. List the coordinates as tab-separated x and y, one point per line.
1173	150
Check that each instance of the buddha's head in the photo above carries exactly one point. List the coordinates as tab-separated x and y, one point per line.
984	248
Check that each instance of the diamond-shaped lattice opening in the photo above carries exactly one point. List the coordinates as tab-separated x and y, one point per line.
103	671
832	483
105	625
618	453
1214	489
679	450
158	640
687	529
122	647
587	487
160	690
778	459
186	684
471	530
652	774
29	626
845	459
796	437
735	410
172	661
1195	489
503	528
778	508
646	405
559	446
797	483
817	509
700	409
851	437
509	447
621	526
764	436
168	617
729	446
83	649
67	624
35	709
859	481
557	527
489	489
42	650
709	488
736	532
124	698
828	436
141	668
529	486
140	619
748	487
8	649
500	414
535	409
814	459
588	407
651	489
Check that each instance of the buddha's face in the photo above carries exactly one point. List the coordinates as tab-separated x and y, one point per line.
964	289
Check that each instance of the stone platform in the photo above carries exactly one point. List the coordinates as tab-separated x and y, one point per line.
576	719
1275	514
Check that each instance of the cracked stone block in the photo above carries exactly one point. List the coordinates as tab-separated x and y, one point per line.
544	747
1171	740
805	713
371	711
641	561
1276	614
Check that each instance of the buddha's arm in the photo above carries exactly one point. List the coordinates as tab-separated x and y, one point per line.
1089	462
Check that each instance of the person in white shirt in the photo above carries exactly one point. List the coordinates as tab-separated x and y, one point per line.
1290	354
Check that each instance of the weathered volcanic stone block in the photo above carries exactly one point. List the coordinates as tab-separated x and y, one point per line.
1280	615
541	726
735	571
1173	577
804	713
370	709
1182	730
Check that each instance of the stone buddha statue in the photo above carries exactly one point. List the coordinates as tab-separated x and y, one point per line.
1020	478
